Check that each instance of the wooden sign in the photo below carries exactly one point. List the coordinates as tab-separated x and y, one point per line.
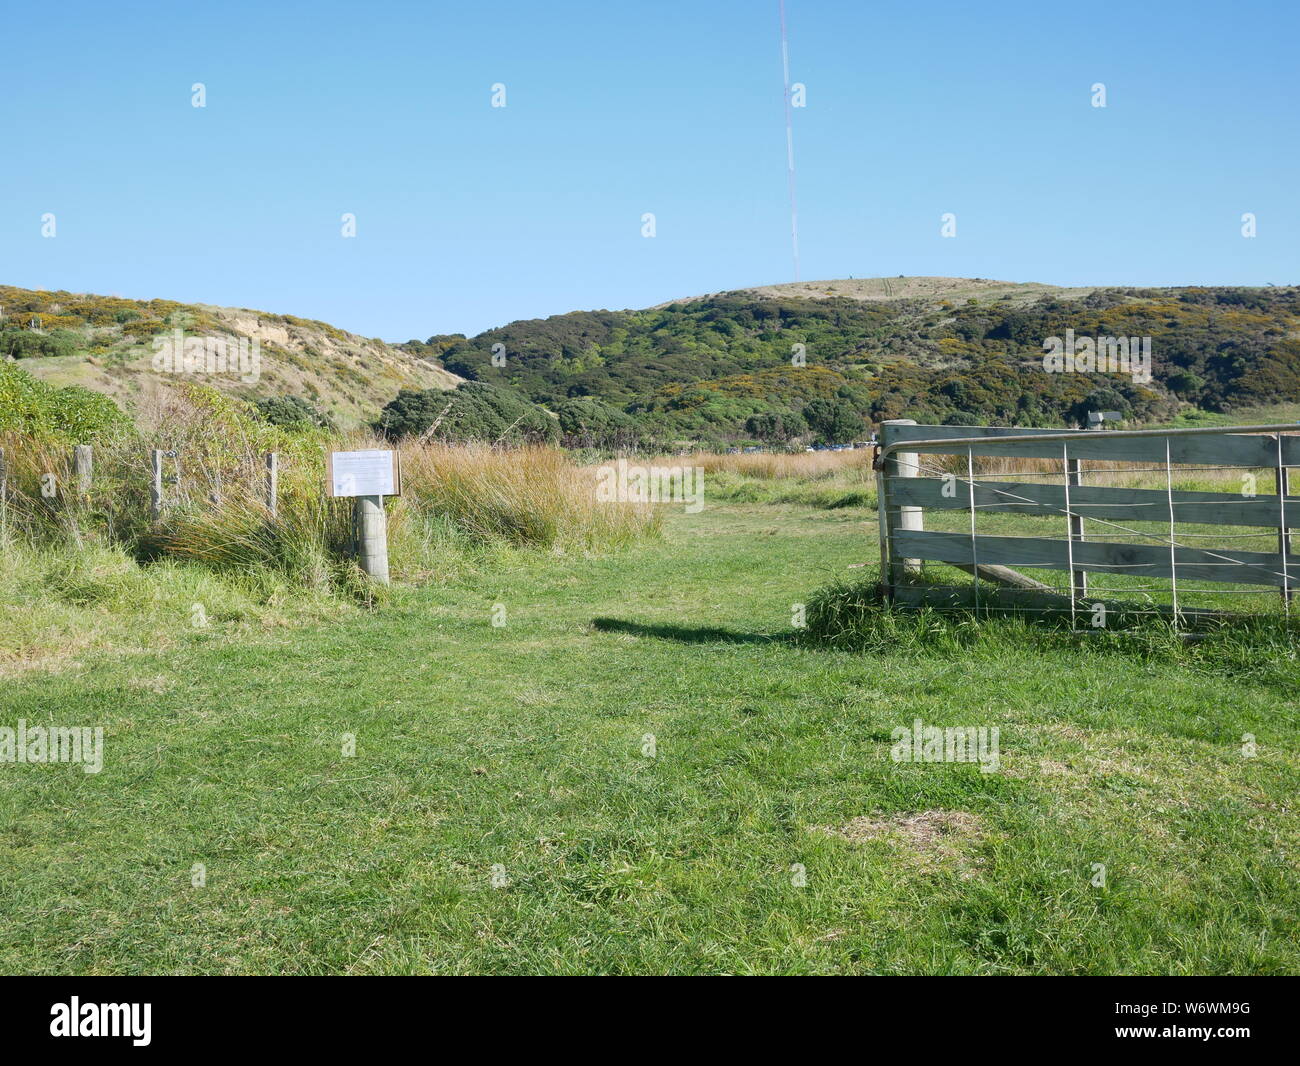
372	472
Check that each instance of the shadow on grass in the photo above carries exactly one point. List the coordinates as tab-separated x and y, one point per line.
686	634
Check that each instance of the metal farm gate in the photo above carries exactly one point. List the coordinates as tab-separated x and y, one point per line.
1179	523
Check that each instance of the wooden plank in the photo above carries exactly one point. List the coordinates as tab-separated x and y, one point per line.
1228	449
1003	576
1140	560
1094	501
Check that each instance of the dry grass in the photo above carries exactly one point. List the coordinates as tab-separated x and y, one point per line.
931	837
805	466
455	498
1110	473
530	495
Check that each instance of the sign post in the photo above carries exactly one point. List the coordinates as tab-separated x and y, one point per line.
367	476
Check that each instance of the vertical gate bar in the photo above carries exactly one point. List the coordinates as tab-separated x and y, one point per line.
1074	476
1173	550
899	465
1069	533
1283	533
886	551
974	551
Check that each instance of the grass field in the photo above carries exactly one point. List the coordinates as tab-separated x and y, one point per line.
644	770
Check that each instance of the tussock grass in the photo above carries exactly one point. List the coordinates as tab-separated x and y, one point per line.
806	466
853	615
456	499
60	602
530	495
824	480
95	571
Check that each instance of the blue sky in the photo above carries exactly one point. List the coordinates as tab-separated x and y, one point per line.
470	216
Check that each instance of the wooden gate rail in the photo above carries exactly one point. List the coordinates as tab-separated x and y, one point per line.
903	494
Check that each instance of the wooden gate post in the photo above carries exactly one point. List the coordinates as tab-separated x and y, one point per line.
371	525
899	464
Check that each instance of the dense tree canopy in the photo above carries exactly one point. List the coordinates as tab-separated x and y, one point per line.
292	412
715	369
473	411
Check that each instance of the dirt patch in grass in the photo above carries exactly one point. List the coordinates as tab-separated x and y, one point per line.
934	837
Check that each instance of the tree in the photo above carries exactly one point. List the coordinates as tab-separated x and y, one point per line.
833	421
1100	399
28	344
775	426
473	411
1185	384
292	412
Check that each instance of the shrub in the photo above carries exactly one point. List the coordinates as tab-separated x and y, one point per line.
776	426
458	499
28	344
473	411
834	421
587	422
29	405
292	412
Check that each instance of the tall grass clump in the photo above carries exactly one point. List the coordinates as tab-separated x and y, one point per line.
215	511
855	616
826	480
805	466
529	496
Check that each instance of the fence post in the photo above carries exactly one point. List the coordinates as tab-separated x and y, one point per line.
1074	477
157	493
372	536
82	466
899	464
272	481
1281	480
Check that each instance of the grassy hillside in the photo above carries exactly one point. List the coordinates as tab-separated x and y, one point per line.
724	367
106	344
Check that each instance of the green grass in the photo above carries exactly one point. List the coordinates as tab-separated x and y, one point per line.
520	747
1247	416
849	489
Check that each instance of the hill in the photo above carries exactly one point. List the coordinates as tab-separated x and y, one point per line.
904	288
726	366
109	344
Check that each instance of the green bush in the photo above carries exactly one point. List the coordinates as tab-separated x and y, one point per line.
473	411
28	344
292	412
29	405
776	426
587	422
